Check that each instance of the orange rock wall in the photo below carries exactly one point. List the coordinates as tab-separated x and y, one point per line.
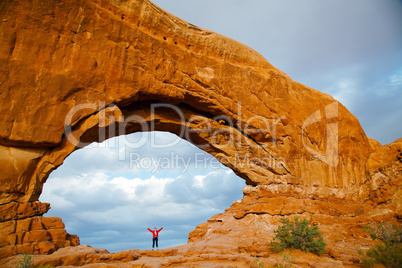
117	58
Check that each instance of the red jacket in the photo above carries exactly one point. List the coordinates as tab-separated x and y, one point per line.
155	233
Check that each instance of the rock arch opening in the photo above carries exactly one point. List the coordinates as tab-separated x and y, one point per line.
218	135
231	138
108	193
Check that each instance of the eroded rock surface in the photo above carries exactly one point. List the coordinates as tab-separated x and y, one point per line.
73	72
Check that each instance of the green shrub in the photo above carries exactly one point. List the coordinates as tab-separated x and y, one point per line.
25	262
387	233
260	264
286	262
389	252
298	235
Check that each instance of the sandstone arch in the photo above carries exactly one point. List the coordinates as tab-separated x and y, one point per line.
123	56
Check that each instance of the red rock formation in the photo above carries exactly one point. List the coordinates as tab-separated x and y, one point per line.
77	256
82	71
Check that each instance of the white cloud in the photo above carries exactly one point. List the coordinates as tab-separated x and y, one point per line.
396	80
198	181
141	190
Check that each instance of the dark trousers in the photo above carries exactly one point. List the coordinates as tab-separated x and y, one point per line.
154	240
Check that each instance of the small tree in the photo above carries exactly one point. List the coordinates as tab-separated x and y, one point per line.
389	252
298	235
286	262
260	264
25	262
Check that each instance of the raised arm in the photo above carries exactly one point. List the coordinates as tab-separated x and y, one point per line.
150	230
160	229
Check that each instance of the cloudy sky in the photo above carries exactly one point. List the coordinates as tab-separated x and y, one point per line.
109	193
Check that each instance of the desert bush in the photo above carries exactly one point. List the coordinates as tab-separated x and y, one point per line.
258	263
286	262
298	235
385	232
389	251
25	262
